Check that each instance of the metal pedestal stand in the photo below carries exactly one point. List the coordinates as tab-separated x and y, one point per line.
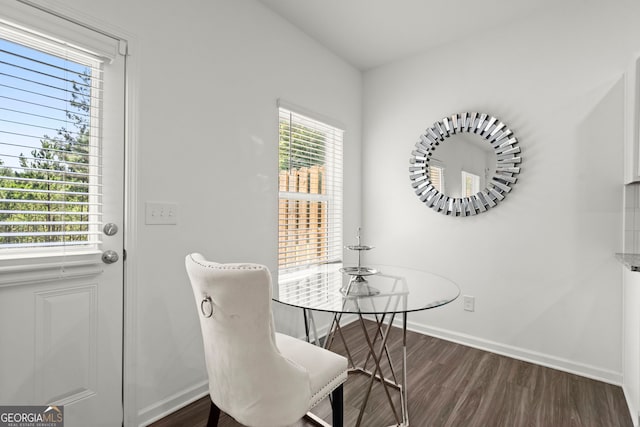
358	285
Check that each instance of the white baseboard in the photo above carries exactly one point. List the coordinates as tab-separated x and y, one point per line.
635	416
537	358
549	361
161	409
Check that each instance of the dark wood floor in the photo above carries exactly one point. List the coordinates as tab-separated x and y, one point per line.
451	385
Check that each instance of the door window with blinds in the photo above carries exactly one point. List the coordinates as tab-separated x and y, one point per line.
49	144
310	192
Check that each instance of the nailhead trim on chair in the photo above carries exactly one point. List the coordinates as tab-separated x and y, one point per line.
323	391
230	267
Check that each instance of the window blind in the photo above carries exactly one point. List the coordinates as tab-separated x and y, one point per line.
436	175
310	192
50	181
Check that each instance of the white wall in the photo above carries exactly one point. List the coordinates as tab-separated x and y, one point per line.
541	265
210	73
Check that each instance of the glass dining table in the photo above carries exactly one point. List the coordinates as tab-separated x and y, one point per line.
379	294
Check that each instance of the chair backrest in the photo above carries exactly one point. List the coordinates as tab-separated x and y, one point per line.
248	377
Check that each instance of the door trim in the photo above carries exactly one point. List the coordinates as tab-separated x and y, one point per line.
131	219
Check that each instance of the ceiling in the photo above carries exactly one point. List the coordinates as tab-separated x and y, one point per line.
370	33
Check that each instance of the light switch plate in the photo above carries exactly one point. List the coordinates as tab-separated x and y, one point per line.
469	303
159	213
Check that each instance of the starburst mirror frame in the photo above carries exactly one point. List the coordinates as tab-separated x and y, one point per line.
493	132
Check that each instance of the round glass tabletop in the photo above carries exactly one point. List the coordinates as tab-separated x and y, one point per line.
391	290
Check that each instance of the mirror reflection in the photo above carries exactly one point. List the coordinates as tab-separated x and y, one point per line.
462	165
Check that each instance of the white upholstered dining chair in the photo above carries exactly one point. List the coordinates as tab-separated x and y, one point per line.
256	375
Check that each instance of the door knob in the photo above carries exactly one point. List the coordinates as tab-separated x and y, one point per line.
109	257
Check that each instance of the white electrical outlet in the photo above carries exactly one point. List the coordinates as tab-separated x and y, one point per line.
469	303
161	213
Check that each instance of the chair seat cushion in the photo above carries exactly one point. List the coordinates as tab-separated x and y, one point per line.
327	370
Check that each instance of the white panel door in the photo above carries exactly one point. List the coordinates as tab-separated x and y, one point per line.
61	309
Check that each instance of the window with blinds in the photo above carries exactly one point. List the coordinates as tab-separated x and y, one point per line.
470	183
436	175
310	192
50	95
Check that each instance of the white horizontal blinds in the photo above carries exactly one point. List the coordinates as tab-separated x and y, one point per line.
310	188
436	177
50	183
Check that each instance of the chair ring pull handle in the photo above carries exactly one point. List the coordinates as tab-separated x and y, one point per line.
202	307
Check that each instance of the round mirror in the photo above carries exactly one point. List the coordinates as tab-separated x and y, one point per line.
464	164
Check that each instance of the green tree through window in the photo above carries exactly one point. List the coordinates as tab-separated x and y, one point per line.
45	197
300	146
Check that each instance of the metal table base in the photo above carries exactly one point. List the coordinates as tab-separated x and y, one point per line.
378	354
